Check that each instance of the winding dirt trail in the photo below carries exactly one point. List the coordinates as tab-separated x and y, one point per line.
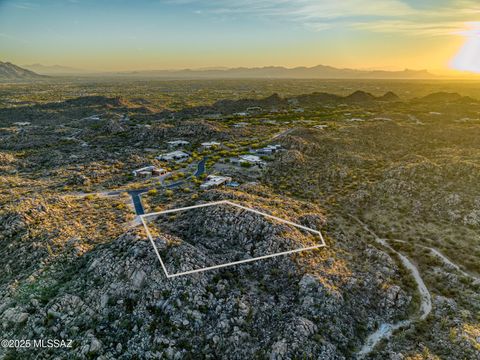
385	330
445	259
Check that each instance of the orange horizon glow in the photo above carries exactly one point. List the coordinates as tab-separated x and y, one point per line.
115	36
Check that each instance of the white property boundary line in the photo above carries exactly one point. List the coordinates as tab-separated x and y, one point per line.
142	218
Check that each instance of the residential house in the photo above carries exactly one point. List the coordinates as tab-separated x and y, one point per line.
240	125
252	159
214	181
149	171
177	143
242	113
269	149
174	156
252	110
210	144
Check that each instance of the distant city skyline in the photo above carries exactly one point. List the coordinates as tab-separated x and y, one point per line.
120	35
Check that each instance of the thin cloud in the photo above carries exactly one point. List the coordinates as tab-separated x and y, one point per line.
412	28
391	16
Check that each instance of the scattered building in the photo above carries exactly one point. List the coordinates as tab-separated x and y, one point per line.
242	113
254	110
149	171
93	117
177	143
174	156
299	110
321	127
210	144
22	123
214	116
355	120
214	180
252	159
273	122
269	149
240	125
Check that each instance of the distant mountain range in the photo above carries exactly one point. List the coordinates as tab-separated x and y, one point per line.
270	72
11	72
277	72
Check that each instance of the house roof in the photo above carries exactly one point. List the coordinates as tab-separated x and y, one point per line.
250	158
175	142
174	154
210	143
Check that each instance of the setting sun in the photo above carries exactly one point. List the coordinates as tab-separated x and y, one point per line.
468	58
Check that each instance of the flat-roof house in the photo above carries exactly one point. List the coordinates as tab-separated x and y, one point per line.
174	156
240	124
253	159
149	171
212	116
254	110
210	144
177	143
269	149
214	180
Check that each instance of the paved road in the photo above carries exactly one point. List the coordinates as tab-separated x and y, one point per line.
201	168
137	201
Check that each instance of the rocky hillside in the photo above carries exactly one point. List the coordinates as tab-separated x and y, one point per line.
275	103
417	200
114	299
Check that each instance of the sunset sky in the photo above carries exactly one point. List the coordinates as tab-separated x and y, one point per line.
171	34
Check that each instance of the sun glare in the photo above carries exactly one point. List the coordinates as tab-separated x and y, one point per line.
468	58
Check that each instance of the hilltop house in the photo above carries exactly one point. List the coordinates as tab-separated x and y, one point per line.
253	110
174	156
213	116
249	159
208	145
254	159
149	171
240	124
92	117
177	143
214	180
269	149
